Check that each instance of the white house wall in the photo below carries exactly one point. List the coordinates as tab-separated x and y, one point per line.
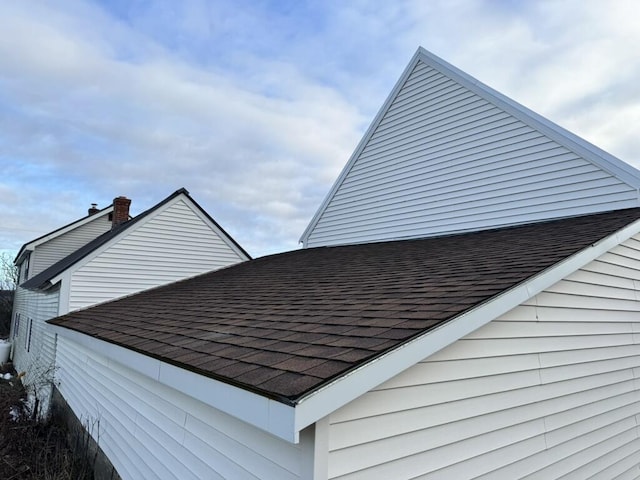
59	247
149	430
174	244
443	159
549	390
34	344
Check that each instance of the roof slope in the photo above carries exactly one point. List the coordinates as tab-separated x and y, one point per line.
285	325
448	154
42	279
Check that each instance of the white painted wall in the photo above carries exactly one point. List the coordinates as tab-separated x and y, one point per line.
149	430
34	344
549	390
61	246
175	243
443	159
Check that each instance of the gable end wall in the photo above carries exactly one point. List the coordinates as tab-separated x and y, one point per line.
551	389
174	244
59	247
442	159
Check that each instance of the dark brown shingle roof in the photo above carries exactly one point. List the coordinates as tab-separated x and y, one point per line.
286	324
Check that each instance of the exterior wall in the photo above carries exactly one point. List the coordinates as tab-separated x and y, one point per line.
549	390
442	159
34	345
57	248
174	244
149	430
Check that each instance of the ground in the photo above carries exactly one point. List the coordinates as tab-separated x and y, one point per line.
33	449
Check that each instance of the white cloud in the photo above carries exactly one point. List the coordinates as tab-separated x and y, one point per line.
256	107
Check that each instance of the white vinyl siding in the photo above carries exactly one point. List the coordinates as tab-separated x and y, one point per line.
149	430
443	159
175	243
549	390
61	246
34	345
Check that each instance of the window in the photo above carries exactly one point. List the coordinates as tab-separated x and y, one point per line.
25	267
27	341
16	325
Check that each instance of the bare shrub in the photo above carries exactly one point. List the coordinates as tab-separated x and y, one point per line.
33	448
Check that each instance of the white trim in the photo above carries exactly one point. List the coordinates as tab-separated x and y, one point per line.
343	390
321	450
63	302
269	415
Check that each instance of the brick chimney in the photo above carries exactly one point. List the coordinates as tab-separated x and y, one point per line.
120	211
94	209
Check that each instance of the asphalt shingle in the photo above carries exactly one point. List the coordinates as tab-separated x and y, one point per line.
286	324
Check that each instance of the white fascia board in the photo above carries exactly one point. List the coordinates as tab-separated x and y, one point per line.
266	414
363	143
580	146
343	390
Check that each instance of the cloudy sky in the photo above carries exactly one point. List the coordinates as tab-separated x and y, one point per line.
255	106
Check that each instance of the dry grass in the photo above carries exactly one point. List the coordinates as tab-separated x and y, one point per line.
33	449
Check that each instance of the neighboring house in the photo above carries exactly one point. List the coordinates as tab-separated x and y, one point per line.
108	255
473	312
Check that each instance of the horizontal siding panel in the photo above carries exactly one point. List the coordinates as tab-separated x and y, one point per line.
549	391
377	403
538	149
421	104
174	244
34	345
582	450
409	230
504	140
619	467
148	429
482	185
456	212
445	371
501	329
460	123
59	247
466	348
572	357
482	118
456	198
560	412
413	465
560	300
559	460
